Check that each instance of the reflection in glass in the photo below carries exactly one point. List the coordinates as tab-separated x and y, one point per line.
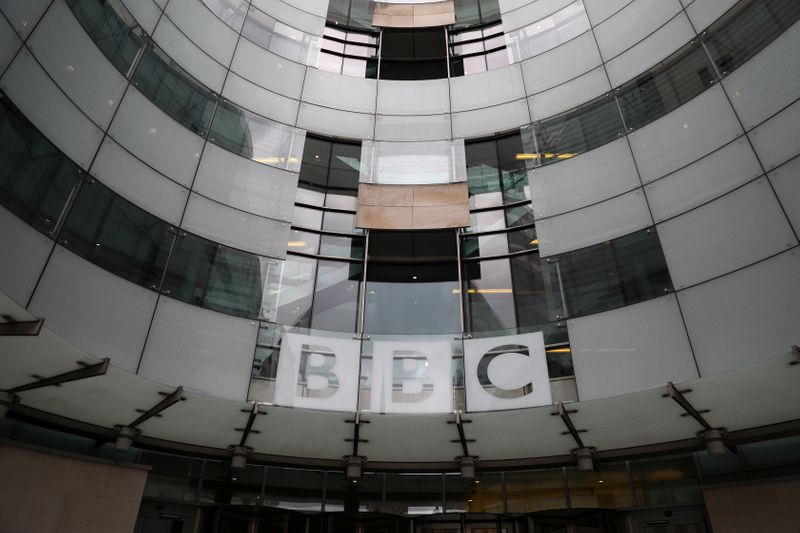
336	296
35	178
255	137
607	487
535	490
231	12
112	28
281	39
412	162
576	131
673	82
176	92
207	274
116	235
547	33
296	291
612	274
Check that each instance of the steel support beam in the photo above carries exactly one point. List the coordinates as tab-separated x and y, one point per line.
21	328
169	400
88	371
564	413
681	400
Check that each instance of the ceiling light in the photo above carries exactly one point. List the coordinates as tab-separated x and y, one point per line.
296	244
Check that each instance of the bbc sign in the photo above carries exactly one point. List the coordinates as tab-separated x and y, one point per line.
412	376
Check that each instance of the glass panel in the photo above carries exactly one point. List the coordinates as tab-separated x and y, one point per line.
666	481
174	90
490	296
484	245
257	138
296	291
484	494
547	33
519	215
210	275
536	299
414	494
619	272
608	487
412	298
290	488
307	218
341	222
303	241
577	131
482	167
281	39
35	178
746	29
666	86
112	28
334	245
342	494
412	162
536	490
336	296
113	233
231	12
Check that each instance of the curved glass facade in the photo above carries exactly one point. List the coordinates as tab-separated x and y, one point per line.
181	191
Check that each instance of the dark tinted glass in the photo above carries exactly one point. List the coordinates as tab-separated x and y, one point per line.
490	295
116	235
666	86
35	177
578	130
747	28
112	28
482	167
297	290
174	90
612	274
338	246
216	277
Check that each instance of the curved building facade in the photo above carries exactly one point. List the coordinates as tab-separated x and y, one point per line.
407	258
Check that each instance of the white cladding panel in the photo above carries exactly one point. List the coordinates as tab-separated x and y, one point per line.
786	181
339	92
200	349
644	54
745	317
93	309
187	54
704	12
413	97
412	128
686	134
490	120
9	43
155	138
24	15
518	13
336	122
418	438
145	13
600	10
268	70
635	22
580	181
569	94
302	433
50	110
740	228
262	101
204	28
235	228
717	173
244	184
561	64
487	88
72	59
632	348
597	223
754	88
126	175
25	253
776	140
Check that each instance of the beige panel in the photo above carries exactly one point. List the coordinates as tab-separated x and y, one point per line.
455	193
387	195
50	493
383	217
414	15
440	216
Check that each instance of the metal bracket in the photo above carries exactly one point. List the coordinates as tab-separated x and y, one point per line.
20	328
796	353
89	371
564	413
169	400
681	400
248	428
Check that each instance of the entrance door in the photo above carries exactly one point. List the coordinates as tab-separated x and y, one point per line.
671	521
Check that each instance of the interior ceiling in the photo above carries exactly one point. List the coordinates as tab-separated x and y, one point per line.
759	396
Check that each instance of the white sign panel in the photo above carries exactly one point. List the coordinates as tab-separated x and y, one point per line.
412	377
317	372
506	372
